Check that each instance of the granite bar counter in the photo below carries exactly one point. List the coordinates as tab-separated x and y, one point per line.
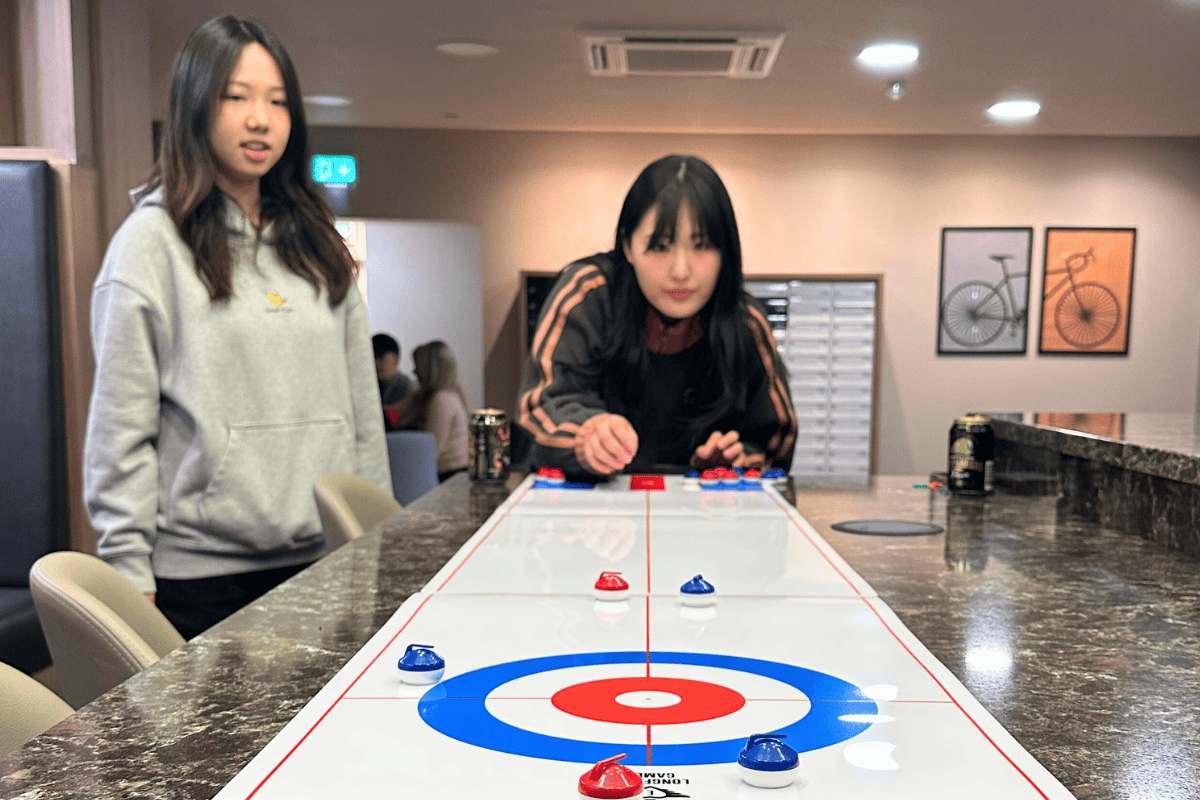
1136	471
1082	640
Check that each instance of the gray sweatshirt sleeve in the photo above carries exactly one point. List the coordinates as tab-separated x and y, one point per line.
120	469
371	459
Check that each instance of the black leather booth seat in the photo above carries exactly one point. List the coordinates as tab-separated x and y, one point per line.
21	642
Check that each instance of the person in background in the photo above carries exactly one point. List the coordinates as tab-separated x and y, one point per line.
394	385
651	357
439	406
233	358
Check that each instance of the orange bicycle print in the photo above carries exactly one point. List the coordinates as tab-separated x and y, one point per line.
1086	290
1088	314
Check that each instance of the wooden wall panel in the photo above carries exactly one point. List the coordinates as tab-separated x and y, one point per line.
10	84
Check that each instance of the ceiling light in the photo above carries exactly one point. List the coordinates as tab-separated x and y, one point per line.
895	90
329	100
466	49
889	54
1015	109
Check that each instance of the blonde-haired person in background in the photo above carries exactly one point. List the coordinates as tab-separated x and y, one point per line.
438	406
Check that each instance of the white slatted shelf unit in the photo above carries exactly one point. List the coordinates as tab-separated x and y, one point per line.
826	329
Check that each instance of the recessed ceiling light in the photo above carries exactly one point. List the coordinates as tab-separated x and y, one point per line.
331	100
1015	109
467	49
889	54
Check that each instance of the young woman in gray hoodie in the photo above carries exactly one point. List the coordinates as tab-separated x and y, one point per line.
233	357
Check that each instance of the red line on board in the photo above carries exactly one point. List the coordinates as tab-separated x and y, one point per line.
483	538
647	595
647	544
648	760
971	719
296	746
911	654
804	533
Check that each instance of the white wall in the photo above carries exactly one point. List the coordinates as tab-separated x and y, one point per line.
424	283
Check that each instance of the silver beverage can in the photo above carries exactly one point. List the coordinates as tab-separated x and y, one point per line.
490	438
972	456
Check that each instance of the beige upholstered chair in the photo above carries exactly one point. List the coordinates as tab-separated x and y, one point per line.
350	506
26	709
100	628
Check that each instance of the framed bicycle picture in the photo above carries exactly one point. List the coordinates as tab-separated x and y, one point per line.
1087	291
983	306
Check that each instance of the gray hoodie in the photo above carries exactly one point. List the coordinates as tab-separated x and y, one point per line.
210	422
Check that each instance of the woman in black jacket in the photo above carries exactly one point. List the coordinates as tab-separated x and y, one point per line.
651	357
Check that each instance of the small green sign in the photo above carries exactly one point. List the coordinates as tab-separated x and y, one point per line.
334	170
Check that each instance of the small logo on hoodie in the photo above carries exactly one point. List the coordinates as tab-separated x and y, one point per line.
277	303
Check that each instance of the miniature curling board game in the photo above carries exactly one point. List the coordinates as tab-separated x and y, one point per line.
526	661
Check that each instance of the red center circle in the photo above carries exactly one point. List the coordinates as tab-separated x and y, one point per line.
698	701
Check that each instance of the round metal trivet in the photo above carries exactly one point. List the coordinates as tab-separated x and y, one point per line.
887	527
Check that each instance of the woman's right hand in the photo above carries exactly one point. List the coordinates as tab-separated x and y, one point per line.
606	443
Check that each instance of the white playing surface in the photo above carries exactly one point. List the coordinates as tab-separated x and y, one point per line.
521	588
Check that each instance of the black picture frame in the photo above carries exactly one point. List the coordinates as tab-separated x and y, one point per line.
1087	291
983	291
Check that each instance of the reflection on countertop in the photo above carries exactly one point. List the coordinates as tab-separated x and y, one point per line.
1084	642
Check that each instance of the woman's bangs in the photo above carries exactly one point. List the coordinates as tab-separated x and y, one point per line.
706	214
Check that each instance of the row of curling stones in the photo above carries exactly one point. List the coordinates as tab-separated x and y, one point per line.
765	763
697	592
735	480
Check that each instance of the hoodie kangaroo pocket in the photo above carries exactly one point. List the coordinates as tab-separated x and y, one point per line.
261	497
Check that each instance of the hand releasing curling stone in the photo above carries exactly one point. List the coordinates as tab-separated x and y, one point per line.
697	592
609	779
611	586
421	666
768	763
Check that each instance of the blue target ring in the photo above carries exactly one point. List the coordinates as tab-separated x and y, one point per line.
457	708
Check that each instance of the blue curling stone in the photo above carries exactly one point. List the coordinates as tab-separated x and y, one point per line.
697	585
421	665
767	762
767	753
774	475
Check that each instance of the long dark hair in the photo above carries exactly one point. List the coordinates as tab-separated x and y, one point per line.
304	236
665	185
436	370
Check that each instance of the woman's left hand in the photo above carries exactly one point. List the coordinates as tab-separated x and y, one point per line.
721	450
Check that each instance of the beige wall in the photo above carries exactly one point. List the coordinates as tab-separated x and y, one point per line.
829	205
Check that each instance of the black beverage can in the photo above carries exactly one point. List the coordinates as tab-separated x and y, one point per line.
490	438
972	456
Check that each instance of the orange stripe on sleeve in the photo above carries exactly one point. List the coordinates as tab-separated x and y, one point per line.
533	417
764	341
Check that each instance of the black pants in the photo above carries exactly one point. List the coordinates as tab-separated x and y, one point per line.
194	606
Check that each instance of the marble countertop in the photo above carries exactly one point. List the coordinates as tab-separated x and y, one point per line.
1163	444
1084	642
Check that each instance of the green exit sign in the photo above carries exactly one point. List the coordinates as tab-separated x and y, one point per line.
334	170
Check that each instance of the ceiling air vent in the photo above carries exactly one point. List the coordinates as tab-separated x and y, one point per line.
679	54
